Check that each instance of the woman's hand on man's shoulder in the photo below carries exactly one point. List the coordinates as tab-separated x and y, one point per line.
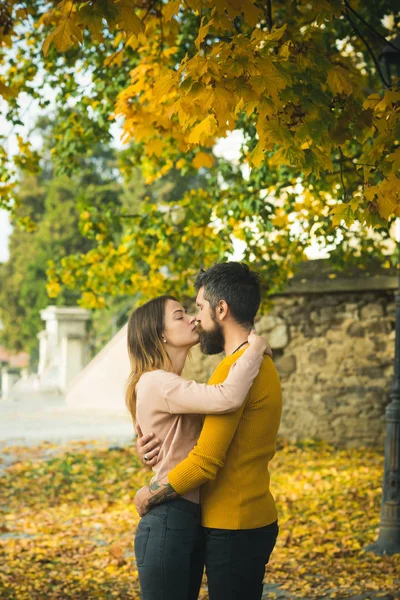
260	343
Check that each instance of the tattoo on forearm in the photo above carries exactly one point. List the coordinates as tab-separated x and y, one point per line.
161	492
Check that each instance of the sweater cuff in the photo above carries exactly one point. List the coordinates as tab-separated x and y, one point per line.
183	479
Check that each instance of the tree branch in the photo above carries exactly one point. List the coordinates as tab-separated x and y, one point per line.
376	63
269	15
151	5
382	37
341	175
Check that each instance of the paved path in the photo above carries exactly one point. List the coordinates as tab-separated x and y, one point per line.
35	421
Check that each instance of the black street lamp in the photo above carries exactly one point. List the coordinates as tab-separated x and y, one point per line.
388	541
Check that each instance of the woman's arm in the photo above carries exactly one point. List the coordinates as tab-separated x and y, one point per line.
201	465
182	396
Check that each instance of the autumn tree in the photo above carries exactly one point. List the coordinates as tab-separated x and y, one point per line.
304	83
52	204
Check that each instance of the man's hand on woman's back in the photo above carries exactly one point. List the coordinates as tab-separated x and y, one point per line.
148	447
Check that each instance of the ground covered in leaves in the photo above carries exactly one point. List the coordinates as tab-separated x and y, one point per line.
67	522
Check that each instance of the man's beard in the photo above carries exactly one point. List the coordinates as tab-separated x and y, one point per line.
212	342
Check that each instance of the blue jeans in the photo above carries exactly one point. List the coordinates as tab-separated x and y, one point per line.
169	551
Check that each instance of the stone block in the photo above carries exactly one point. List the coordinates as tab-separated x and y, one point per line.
286	365
362	347
379	346
351	308
318	357
324	315
381	326
308	330
371	372
371	311
276	330
355	330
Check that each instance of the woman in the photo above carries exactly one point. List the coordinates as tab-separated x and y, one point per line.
168	543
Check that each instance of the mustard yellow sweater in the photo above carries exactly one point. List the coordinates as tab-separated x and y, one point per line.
236	496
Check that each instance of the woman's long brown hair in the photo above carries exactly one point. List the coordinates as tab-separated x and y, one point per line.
145	345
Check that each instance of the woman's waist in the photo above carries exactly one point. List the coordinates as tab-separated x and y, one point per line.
180	504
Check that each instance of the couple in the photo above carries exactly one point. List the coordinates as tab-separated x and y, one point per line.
209	502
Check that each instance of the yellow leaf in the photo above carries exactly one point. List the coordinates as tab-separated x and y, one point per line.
205	128
276	34
115	58
372	101
278	158
128	19
395	159
392	97
284	50
6	91
281	219
256	157
181	163
251	13
203	30
355	203
63	37
388	196
171	9
324	159
163	87
339	81
155	147
342	212
202	159
386	206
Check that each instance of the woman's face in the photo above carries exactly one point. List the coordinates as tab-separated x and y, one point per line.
180	330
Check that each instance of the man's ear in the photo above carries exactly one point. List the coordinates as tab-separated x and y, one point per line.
222	310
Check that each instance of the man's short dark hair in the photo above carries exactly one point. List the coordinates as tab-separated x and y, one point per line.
235	283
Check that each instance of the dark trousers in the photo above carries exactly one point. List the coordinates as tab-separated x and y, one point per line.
169	551
235	561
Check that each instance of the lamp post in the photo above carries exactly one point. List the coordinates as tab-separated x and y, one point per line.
388	541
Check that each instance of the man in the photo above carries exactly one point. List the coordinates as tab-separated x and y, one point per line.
230	460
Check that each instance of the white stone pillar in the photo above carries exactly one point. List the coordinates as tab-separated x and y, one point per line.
72	359
43	353
3	368
9	376
63	345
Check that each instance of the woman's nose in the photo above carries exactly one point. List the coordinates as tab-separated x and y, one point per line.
192	320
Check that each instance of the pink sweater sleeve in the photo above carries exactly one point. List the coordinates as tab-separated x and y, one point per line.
183	396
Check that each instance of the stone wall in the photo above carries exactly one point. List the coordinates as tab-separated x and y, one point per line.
333	342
